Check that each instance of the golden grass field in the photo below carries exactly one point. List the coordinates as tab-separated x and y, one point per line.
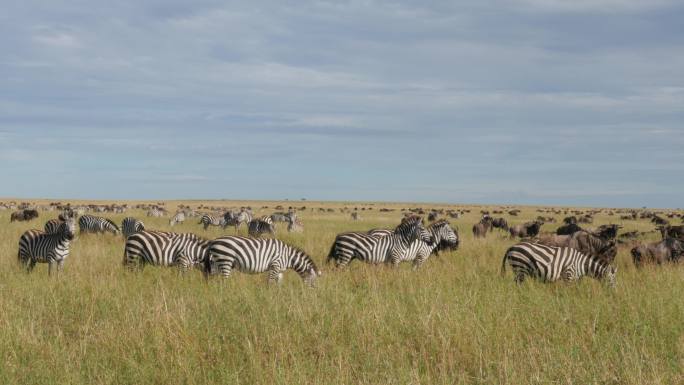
455	321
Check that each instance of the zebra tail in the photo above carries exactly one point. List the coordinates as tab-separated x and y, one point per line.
206	270
503	265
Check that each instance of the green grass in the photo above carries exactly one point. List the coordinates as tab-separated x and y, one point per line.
454	321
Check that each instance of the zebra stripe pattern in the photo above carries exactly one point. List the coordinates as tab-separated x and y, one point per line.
36	246
178	218
210	220
263	225
93	224
161	248
253	255
419	251
548	264
52	225
371	249
236	219
130	225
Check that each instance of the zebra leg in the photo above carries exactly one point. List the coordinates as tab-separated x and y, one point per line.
60	266
519	277
418	262
275	275
30	264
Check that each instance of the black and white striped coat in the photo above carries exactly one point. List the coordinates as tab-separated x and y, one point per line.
419	251
371	249
93	224
210	220
130	225
36	246
176	219
549	263
254	255
52	225
237	219
162	248
263	225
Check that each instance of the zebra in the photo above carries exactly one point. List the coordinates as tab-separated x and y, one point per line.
52	225
155	212
52	248
419	251
233	219
162	248
371	249
130	225
93	224
178	218
549	263
210	220
295	226
263	225
254	255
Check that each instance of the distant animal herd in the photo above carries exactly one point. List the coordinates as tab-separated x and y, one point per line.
568	254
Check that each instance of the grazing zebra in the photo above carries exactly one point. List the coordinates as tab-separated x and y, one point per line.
92	224
419	251
155	213
178	218
371	249
253	255
263	225
164	249
210	220
36	246
549	264
130	225
233	219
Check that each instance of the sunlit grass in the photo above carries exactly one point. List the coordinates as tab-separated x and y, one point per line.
456	320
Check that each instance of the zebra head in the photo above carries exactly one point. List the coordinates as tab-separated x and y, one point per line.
445	236
68	227
411	229
304	265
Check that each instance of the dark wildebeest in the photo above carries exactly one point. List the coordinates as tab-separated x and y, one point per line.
568	229
584	242
481	228
660	221
668	250
24	215
570	220
607	232
529	229
500	223
668	231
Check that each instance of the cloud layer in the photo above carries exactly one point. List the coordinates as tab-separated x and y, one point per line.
531	101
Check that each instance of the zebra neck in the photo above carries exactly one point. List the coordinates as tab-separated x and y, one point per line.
593	267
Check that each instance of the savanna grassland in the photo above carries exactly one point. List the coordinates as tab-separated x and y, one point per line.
454	321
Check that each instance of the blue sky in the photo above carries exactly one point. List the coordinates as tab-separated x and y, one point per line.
518	101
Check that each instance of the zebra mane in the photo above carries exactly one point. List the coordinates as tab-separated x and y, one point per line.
408	223
111	223
440	223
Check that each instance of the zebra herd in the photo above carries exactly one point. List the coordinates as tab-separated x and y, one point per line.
410	241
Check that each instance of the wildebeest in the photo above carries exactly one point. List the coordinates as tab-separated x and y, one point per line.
568	229
528	229
24	215
481	228
668	231
607	231
584	242
659	221
500	223
667	250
